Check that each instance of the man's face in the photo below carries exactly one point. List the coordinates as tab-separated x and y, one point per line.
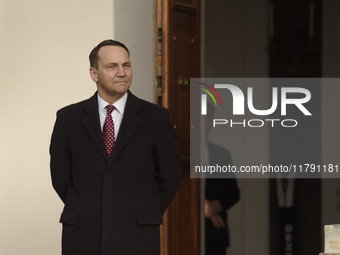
113	75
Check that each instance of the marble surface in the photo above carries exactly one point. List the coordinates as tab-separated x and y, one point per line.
332	239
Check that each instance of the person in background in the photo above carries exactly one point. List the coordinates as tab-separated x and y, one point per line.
220	195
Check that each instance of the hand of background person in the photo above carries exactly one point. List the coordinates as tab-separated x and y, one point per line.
211	207
217	221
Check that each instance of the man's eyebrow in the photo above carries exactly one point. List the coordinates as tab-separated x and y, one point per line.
115	64
111	64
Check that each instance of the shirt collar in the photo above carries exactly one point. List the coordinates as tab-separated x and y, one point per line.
119	105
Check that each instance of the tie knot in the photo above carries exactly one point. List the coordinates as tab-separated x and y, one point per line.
109	108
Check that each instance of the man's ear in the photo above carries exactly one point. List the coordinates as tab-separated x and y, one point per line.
94	74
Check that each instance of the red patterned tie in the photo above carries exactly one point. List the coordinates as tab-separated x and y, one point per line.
109	130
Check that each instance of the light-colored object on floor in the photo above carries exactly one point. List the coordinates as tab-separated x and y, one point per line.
332	240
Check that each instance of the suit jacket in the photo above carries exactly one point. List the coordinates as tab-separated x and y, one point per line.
114	205
225	190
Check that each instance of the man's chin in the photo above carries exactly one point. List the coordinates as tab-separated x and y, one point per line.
121	91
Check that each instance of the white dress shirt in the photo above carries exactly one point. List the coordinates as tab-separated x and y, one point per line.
117	113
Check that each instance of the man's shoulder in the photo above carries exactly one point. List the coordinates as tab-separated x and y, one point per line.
152	106
149	107
76	107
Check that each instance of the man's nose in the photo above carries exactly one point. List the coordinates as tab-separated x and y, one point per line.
121	71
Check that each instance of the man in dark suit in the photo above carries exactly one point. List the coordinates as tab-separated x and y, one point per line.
220	195
116	168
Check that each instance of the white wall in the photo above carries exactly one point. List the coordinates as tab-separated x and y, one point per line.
135	26
44	64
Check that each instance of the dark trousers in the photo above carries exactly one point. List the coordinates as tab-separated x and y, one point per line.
211	249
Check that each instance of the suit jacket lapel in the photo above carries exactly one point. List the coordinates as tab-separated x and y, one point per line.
92	124
129	124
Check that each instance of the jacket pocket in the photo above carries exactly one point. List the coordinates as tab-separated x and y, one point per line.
69	217
150	218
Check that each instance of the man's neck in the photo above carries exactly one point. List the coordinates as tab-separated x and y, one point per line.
110	99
